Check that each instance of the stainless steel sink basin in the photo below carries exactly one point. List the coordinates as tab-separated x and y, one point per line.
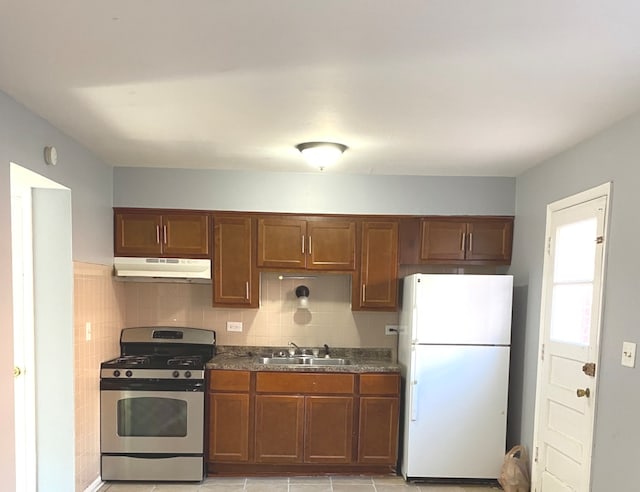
307	361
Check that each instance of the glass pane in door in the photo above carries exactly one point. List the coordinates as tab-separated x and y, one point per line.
573	275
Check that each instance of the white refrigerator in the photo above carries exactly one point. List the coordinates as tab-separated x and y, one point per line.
453	350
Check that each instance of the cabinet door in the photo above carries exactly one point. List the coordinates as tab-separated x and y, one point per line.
328	429
443	240
185	235
234	276
137	234
279	426
331	244
229	427
490	240
282	242
378	284
378	430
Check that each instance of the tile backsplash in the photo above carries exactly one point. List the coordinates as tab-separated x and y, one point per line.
328	318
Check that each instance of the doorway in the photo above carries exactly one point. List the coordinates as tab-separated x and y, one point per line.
571	319
42	284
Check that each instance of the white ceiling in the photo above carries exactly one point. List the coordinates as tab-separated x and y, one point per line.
423	87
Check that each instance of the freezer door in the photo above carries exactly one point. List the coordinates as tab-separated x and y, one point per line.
455	419
463	309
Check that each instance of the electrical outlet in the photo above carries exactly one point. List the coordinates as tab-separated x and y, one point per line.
628	354
234	325
391	329
87	331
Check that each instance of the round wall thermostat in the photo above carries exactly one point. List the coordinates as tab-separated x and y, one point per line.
51	155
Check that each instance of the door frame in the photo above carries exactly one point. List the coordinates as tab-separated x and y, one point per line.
603	190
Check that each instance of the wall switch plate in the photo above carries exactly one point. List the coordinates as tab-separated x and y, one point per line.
390	329
234	325
87	331
628	354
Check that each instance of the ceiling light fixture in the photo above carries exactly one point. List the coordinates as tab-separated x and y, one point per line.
321	154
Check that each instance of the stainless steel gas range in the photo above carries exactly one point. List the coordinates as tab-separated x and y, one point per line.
152	405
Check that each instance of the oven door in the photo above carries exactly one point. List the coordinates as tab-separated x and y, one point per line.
151	421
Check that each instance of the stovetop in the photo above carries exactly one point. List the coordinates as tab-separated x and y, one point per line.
155	361
161	352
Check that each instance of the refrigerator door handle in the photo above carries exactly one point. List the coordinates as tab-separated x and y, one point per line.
414	387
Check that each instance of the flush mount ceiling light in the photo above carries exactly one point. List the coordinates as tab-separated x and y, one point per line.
321	154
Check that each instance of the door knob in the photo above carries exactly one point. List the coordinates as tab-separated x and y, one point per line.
583	392
17	372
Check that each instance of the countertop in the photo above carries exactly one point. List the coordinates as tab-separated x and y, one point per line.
247	359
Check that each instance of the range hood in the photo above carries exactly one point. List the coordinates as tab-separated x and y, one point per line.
162	269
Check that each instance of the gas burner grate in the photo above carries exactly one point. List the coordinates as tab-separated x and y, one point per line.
135	360
185	361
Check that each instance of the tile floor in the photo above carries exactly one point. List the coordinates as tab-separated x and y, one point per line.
294	484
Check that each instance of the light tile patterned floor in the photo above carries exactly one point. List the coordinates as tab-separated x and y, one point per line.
294	484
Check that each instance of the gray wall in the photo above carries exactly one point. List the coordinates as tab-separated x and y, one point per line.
610	156
23	136
312	192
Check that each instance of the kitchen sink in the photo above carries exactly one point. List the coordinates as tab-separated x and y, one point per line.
307	361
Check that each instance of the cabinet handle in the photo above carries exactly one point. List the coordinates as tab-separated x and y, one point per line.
364	292
246	290
164	234
470	241
309	244
464	236
302	244
157	234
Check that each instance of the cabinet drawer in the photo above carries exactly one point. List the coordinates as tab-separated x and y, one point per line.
380	384
221	380
274	382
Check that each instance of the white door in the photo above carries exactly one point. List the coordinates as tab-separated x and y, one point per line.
24	384
571	315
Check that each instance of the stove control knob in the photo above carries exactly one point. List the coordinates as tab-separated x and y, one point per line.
176	374
128	374
116	374
187	374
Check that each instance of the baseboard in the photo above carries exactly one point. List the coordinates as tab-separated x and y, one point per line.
95	486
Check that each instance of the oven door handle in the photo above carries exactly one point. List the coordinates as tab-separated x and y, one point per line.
152	385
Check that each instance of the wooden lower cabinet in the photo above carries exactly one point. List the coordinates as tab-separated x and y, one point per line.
328	433
229	427
229	407
294	422
279	421
378	430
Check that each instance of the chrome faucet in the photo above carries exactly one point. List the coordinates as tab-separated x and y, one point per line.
292	350
326	350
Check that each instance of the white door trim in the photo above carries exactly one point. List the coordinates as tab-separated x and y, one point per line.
603	190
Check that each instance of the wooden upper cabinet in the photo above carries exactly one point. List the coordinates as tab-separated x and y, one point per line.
282	242
137	234
456	240
332	244
170	234
235	279
377	287
443	240
490	240
312	243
